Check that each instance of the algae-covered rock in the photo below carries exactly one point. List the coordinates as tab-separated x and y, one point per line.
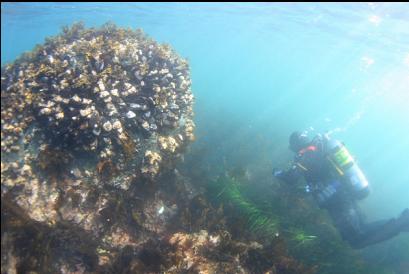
89	121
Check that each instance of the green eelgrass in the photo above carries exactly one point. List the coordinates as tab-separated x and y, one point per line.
270	218
259	216
300	237
227	189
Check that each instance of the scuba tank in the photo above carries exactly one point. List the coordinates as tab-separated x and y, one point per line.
347	168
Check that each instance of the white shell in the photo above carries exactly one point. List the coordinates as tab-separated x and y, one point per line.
45	111
76	98
104	94
130	114
107	126
114	92
59	115
117	125
86	101
101	85
85	112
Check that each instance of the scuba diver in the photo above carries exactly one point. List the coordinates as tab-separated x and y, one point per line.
337	183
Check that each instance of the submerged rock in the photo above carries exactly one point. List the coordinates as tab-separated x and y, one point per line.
82	116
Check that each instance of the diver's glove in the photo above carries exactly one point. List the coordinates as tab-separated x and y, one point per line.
278	173
287	176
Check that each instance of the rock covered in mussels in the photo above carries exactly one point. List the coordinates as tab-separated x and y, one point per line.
106	94
89	120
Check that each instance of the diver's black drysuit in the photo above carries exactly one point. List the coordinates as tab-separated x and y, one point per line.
333	194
